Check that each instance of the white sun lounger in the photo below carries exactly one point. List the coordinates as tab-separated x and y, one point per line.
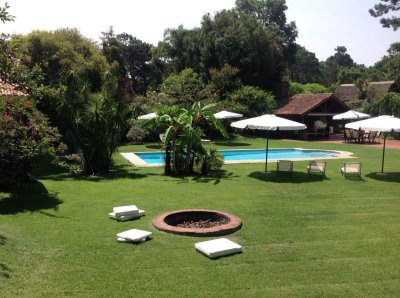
126	217
125	210
218	247
133	235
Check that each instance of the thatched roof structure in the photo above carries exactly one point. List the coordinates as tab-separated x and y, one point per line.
348	93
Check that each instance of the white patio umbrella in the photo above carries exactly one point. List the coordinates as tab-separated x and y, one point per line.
350	115
227	115
383	124
269	123
148	116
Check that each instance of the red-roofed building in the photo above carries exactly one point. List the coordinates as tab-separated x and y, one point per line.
315	111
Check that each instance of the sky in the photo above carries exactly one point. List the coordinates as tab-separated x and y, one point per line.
322	24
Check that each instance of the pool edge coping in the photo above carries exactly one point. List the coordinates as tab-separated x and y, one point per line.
136	161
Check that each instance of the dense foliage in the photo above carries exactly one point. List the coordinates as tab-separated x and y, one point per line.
297	88
24	135
388	105
77	89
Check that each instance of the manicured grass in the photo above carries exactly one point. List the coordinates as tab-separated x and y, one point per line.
301	236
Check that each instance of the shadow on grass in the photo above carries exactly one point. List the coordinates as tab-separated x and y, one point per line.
231	144
296	177
389	177
117	171
32	197
154	146
4	270
215	177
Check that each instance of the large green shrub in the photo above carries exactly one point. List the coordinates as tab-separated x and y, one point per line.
388	105
24	136
252	101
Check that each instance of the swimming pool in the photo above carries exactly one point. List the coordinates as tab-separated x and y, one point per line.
243	155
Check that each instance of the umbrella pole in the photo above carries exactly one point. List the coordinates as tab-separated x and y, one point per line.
266	154
383	151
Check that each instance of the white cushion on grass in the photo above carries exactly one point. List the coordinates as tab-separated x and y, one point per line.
125	210
126	217
218	247
134	235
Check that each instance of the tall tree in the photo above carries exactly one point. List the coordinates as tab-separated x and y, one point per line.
384	8
241	41
271	14
77	89
330	68
137	68
305	68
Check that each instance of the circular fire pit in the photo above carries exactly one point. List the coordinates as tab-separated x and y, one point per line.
197	222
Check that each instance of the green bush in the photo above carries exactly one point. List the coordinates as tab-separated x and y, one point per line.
252	101
136	135
210	161
24	136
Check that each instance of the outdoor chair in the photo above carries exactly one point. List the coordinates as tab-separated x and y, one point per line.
284	166
357	135
347	136
378	134
317	167
351	168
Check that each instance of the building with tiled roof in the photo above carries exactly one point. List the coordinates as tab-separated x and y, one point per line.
314	110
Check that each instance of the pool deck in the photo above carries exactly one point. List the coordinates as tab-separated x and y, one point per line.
138	162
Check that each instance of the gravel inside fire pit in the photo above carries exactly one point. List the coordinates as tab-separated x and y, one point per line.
202	224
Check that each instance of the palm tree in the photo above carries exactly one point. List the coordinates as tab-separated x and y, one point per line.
196	115
183	134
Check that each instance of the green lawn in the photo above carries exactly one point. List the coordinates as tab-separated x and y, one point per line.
301	236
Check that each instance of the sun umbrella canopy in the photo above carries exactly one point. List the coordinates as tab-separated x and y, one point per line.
350	115
148	116
269	122
227	115
382	123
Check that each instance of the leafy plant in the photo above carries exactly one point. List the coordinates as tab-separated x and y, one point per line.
24	136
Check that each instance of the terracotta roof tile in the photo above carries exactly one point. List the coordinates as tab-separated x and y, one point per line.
300	104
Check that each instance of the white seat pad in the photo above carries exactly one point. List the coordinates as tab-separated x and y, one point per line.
126	217
218	247
133	235
126	210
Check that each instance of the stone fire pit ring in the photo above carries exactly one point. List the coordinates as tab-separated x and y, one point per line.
167	222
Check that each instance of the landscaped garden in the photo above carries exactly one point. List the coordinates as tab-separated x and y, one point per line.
301	235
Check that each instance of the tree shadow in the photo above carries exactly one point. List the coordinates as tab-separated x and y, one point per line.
295	177
154	146
4	269
32	197
215	177
231	144
117	171
388	177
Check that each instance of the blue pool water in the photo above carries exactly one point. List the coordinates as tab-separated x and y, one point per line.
250	155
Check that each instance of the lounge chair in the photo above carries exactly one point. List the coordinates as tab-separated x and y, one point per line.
284	166
316	166
351	168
